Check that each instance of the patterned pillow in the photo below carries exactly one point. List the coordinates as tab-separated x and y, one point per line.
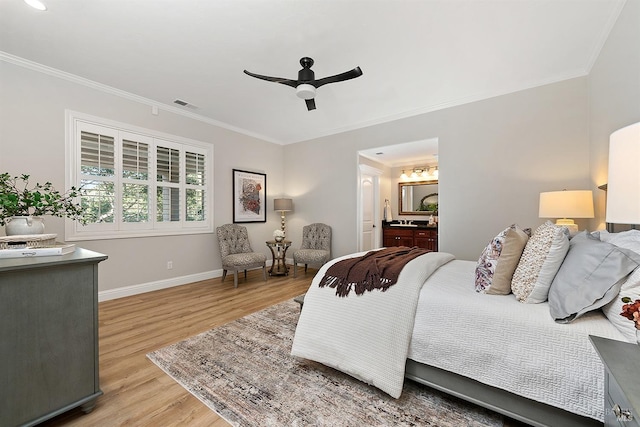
499	259
539	263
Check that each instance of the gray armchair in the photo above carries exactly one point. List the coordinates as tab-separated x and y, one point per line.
236	252
316	246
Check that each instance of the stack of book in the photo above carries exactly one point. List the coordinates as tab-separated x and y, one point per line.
20	250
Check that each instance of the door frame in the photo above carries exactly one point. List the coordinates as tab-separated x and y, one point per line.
376	174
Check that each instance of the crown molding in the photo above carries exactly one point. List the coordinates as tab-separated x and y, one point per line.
34	66
328	132
611	21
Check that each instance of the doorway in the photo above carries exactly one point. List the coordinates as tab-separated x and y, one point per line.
368	208
381	169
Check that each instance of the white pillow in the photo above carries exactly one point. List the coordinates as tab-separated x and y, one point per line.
631	288
625	239
539	263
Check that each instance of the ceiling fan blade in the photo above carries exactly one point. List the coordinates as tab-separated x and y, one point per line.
311	104
356	72
288	82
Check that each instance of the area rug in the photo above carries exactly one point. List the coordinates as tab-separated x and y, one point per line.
243	371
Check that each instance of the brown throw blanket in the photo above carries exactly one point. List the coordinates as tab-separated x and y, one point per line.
374	270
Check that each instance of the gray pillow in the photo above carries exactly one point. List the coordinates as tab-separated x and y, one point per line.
590	277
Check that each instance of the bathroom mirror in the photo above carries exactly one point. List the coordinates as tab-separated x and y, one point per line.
418	198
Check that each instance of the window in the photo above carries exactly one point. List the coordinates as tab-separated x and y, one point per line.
137	182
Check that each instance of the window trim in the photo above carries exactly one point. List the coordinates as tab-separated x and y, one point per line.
74	231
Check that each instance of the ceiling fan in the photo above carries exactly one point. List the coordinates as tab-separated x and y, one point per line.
306	84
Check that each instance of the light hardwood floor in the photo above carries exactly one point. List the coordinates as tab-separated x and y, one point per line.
137	392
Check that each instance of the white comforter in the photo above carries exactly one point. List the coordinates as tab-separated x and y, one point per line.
366	336
501	342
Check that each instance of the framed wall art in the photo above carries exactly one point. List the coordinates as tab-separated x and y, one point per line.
249	196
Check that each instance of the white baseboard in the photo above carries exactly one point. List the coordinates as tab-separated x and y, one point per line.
127	291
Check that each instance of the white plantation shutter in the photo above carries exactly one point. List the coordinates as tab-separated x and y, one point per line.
135	196
139	182
168	168
97	154
195	170
97	167
135	159
168	176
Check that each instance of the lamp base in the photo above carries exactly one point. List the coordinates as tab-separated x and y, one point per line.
566	222
282	221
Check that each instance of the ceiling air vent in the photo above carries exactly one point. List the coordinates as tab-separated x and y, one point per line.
185	104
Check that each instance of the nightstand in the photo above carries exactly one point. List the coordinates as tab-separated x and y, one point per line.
622	381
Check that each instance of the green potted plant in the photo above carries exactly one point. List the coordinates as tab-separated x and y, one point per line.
21	206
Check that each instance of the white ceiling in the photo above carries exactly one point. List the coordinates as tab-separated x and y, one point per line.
416	56
415	153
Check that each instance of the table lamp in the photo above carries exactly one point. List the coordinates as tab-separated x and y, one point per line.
623	186
566	205
282	205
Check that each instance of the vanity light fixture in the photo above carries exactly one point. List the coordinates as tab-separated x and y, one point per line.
421	172
36	4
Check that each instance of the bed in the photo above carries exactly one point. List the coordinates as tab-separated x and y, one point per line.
490	349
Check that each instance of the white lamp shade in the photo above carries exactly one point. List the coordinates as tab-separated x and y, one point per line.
283	205
566	204
623	186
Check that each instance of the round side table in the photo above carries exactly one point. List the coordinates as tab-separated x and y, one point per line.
278	253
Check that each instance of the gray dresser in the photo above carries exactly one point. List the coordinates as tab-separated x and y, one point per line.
622	381
48	336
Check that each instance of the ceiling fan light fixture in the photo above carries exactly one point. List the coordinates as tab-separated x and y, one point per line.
307	84
305	91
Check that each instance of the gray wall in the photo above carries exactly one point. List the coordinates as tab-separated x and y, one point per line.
495	157
32	140
614	96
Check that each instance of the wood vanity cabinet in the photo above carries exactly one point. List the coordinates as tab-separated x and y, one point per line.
48	336
426	238
397	237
